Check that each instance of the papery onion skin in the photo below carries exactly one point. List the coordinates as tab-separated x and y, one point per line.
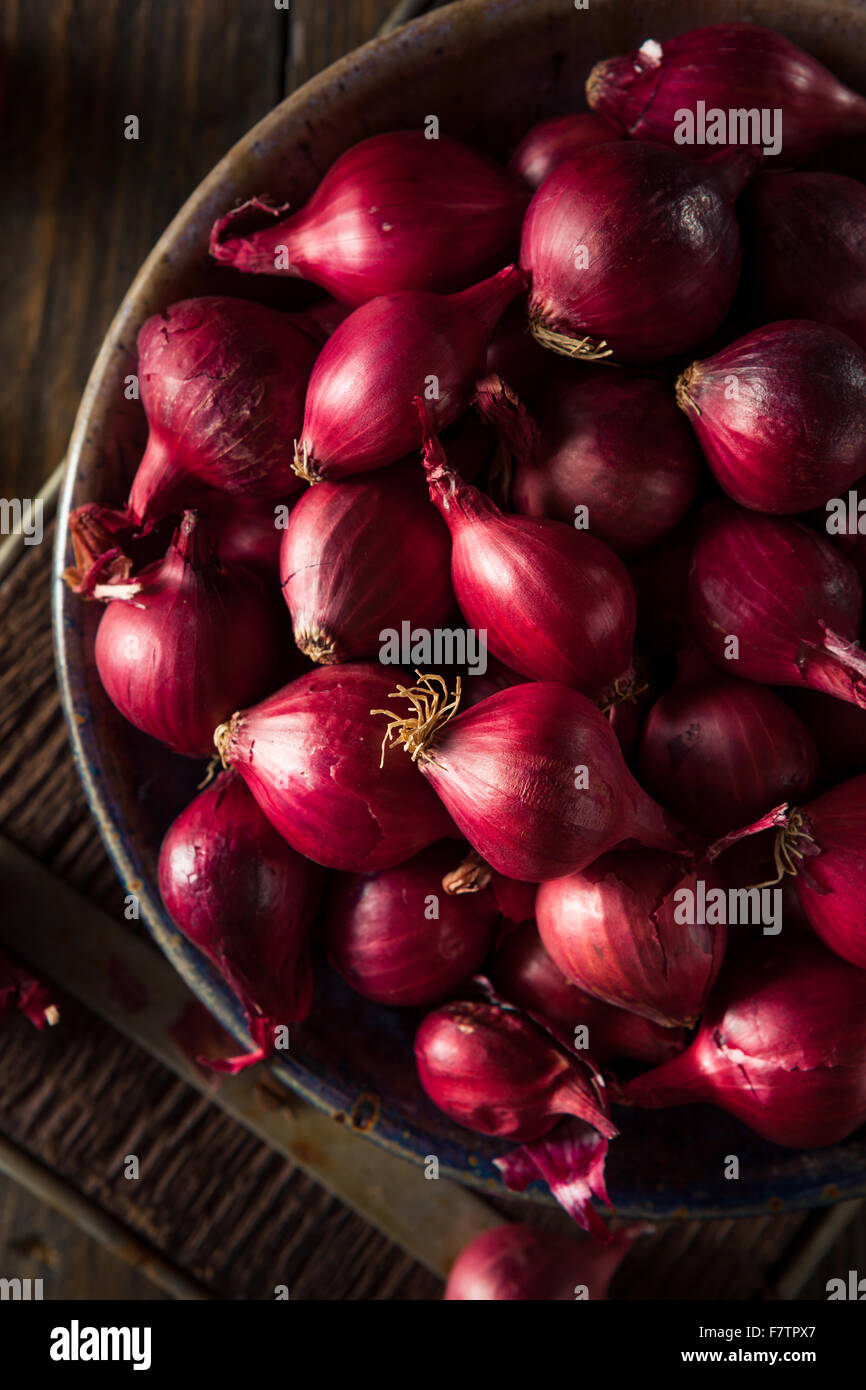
614	443
525	975
359	413
550	142
831	884
398	939
662	251
725	66
781	415
397	211
184	640
806	254
556	604
793	603
363	556
310	756
222	382
246	899
518	1263
719	752
613	930
782	1046
496	1072
508	771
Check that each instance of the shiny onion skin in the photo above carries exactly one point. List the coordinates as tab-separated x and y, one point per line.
550	142
731	66
793	603
612	929
830	884
246	899
184	640
516	1263
806	251
398	939
395	212
524	974
556	603
222	383
719	752
485	765
362	556
496	1072
658	251
791	430
359	413
782	1046
310	756
614	443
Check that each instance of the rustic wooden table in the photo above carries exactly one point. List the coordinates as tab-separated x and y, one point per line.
218	1212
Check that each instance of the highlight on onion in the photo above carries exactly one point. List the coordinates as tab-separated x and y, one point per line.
546	145
518	1262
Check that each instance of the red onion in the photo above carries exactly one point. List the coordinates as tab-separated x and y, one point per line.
515	900
556	604
718	752
222	382
571	1161
613	930
20	989
310	755
519	1263
523	973
397	938
359	412
781	415
515	356
245	532
634	251
360	557
494	1071
782	1046
776	603
185	640
807	251
395	212
611	442
839	731
660	577
105	547
533	777
247	900
546	145
727	67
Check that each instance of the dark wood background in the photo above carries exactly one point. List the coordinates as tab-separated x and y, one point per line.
81	208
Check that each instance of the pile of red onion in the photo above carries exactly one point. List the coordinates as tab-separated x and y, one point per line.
514	592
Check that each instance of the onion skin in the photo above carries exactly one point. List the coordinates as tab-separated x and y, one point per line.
831	884
838	730
795	433
613	442
517	1263
21	989
382	940
222	382
185	639
310	756
546	145
246	899
807	258
359	413
662	251
556	604
245	532
782	1046
719	752
612	930
523	972
395	212
791	600
731	66
495	1072
505	769
361	556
